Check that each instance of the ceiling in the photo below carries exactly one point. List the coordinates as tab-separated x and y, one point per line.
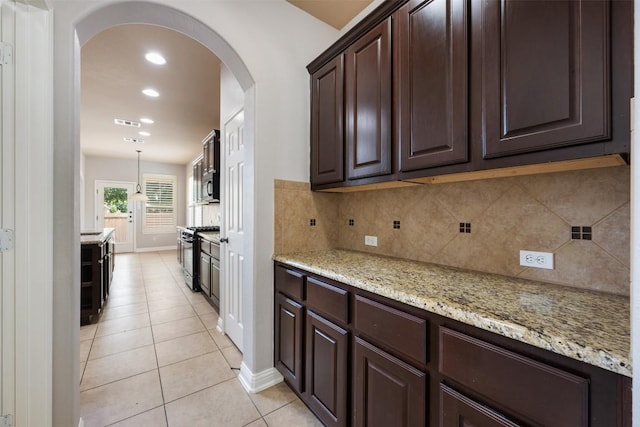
336	13
114	72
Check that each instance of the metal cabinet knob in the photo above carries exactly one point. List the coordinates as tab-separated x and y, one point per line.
224	240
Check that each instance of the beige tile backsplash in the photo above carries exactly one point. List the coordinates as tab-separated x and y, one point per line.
506	215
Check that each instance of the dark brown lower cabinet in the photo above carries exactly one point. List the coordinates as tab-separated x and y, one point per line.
457	410
289	335
326	378
379	362
387	391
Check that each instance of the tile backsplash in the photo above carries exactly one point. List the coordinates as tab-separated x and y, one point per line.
479	225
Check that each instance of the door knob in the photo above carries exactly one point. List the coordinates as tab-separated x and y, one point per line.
224	240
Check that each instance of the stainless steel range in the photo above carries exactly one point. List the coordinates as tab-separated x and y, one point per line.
189	243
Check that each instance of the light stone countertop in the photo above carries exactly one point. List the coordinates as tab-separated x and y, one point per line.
212	236
96	236
588	326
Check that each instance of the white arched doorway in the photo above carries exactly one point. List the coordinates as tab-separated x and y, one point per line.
102	17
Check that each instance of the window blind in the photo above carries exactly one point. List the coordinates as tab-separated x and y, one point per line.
160	209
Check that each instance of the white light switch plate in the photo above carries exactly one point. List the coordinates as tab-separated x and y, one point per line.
371	240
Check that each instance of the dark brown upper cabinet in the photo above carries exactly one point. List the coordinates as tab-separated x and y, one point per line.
431	78
545	74
368	104
327	109
479	89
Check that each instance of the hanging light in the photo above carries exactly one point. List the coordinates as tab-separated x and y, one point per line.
139	196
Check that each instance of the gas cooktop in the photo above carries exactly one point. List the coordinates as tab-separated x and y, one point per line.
204	228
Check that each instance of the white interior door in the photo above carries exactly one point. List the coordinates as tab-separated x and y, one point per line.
233	226
26	172
114	209
7	221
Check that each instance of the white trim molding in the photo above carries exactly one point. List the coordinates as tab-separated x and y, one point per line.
255	383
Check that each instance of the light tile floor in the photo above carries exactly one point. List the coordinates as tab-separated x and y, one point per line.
155	359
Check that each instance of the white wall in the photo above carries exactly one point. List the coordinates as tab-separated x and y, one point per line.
83	223
231	94
110	169
268	44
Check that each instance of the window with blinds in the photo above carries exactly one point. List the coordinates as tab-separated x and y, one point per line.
159	215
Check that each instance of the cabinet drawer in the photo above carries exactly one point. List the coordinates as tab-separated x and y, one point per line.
457	410
328	299
535	391
205	246
393	328
290	282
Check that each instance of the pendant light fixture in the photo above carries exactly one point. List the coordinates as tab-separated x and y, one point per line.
139	196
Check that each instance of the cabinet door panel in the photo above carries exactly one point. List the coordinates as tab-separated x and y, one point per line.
326	378
431	83
368	104
545	74
288	338
327	139
387	391
457	410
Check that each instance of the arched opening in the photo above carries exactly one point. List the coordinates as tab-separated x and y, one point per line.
65	403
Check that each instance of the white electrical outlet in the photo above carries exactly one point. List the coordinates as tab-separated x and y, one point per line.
536	259
371	240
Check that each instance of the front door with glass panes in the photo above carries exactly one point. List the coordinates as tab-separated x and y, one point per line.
114	209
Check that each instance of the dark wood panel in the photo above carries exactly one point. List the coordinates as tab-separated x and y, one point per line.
326	370
374	18
535	391
290	282
327	299
431	43
545	74
387	391
289	333
368	104
327	109
395	329
457	410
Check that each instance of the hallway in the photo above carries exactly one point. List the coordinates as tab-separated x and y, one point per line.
156	359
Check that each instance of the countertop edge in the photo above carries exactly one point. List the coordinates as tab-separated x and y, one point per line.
559	345
97	238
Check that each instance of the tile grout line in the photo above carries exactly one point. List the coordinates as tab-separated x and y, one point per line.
155	351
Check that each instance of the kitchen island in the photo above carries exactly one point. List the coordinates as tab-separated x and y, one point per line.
449	341
97	261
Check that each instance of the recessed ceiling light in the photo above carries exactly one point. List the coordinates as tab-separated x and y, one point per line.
155	58
146	120
151	92
143	133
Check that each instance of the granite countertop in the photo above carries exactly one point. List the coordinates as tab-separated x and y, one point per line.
588	326
92	237
212	236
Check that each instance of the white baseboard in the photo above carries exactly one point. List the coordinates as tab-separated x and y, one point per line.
81	422
220	325
255	383
156	249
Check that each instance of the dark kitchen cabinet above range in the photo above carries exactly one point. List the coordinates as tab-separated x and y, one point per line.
206	172
472	86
